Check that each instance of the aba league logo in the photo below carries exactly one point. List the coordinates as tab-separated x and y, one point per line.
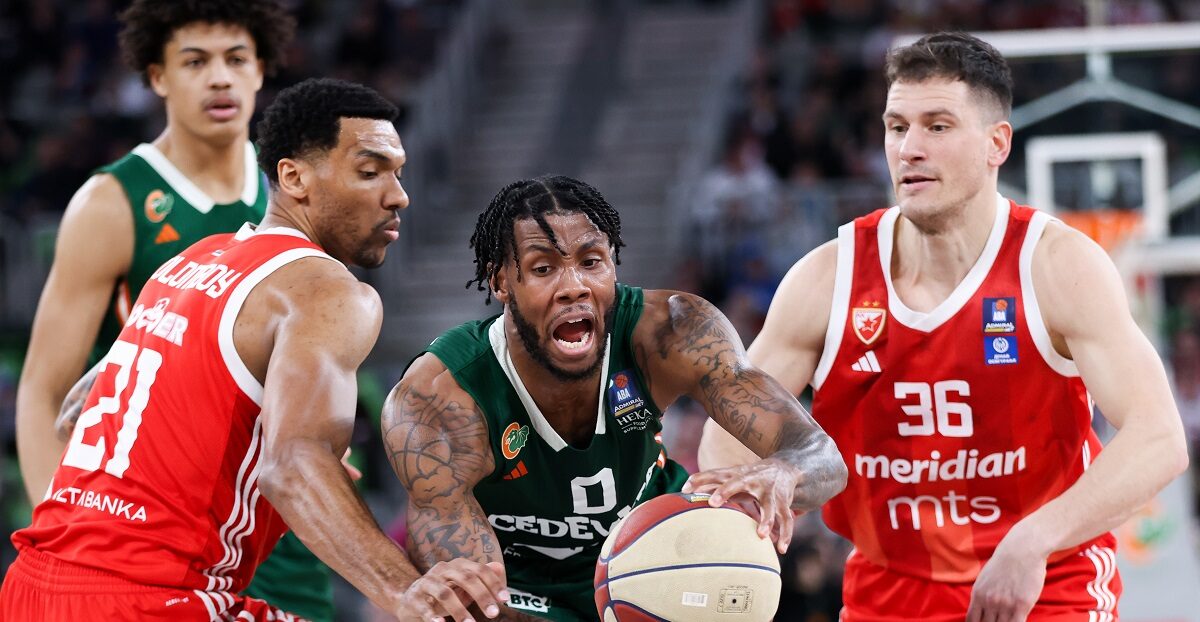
868	322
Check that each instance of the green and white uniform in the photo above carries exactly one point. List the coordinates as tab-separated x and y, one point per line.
552	504
170	214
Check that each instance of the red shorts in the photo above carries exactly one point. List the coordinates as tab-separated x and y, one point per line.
1083	587
40	587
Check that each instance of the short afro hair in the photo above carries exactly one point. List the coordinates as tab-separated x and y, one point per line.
955	56
150	24
306	118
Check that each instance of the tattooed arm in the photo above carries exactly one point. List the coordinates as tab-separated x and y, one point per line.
437	441
688	347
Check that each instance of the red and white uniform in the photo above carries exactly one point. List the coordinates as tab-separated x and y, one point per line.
954	425
159	484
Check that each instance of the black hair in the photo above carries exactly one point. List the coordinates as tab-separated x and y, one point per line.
150	24
306	117
956	56
494	240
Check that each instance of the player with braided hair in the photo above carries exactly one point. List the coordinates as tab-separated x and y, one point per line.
522	438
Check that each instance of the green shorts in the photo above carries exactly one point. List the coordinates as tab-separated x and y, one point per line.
294	580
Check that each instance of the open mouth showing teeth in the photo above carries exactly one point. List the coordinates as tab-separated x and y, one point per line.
574	335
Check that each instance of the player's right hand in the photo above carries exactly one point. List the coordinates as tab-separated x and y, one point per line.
770	486
450	587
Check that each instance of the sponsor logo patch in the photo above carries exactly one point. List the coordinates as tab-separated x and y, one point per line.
626	402
1000	315
1000	350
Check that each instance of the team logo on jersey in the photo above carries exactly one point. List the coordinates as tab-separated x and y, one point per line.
158	205
868	321
1000	350
513	440
1000	315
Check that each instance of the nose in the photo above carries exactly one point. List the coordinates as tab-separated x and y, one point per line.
911	147
396	198
219	77
571	288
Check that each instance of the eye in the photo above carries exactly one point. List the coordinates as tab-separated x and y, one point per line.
591	262
193	62
368	174
399	175
938	128
541	270
898	129
237	61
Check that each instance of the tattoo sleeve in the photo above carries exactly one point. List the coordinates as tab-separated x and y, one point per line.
437	447
747	402
439	450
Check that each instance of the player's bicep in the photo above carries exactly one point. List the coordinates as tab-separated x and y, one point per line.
1083	301
436	440
93	250
324	333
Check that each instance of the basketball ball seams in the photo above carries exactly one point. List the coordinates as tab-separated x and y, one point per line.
622	546
634	573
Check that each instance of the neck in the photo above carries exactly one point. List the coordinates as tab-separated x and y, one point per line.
280	215
569	405
217	168
943	255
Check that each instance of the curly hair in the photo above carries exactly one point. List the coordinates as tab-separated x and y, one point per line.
494	241
306	118
956	56
150	24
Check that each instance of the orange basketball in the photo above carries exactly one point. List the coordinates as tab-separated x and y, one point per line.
676	558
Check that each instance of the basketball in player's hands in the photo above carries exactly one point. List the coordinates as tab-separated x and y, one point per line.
677	558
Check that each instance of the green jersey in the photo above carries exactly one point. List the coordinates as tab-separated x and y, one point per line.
552	504
170	214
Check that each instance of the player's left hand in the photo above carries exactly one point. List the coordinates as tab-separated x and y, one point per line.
769	484
1009	584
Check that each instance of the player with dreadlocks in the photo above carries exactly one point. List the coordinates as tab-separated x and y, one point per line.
522	438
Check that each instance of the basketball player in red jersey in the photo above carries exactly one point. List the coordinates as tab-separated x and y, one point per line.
224	406
952	343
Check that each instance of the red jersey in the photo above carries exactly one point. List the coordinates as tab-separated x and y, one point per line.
956	423
159	483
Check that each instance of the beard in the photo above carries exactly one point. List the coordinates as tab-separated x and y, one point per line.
540	351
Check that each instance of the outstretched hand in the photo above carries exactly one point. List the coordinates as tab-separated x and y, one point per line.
766	488
449	589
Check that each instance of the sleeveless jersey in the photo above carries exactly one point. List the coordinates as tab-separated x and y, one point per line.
552	504
956	423
169	214
159	483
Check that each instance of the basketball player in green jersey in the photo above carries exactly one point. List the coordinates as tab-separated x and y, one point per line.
522	438
206	59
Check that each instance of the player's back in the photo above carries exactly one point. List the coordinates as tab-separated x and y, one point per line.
159	481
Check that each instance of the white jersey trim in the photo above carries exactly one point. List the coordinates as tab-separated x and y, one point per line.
1033	313
241	515
233	361
540	424
843	278
185	188
948	308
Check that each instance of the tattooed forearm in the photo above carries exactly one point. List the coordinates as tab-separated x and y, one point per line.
437	448
747	402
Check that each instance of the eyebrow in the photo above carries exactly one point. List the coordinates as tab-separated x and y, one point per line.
237	48
375	155
936	112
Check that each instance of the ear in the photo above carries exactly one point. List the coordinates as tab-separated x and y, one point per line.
1000	144
259	79
154	71
499	284
295	178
